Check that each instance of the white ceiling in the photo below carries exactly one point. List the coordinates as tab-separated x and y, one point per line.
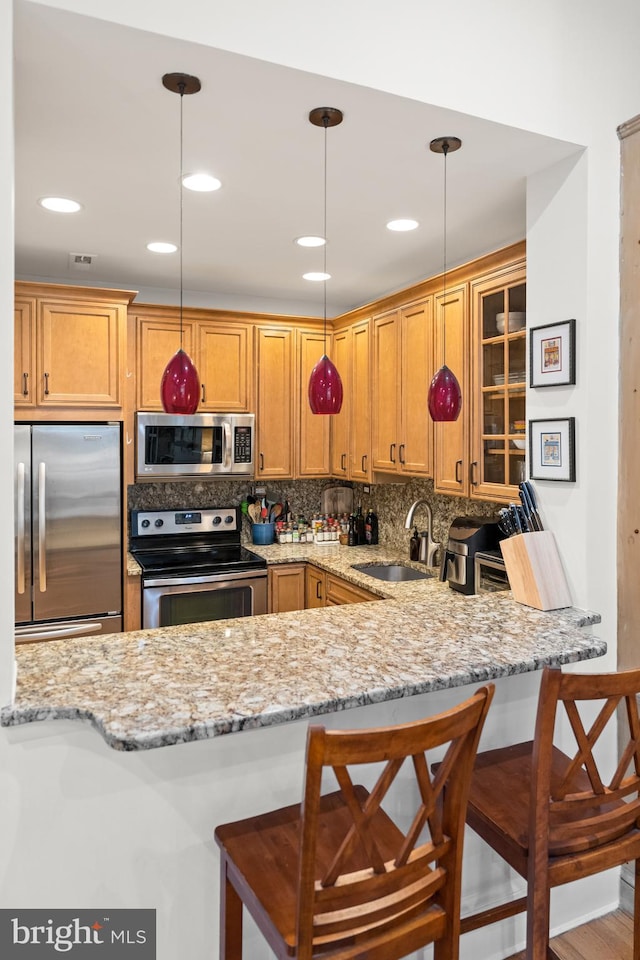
94	122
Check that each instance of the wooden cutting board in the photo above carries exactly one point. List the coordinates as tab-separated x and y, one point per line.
337	500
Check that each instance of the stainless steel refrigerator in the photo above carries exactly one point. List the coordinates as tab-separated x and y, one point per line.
68	558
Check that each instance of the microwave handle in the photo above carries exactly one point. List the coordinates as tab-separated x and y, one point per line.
227	443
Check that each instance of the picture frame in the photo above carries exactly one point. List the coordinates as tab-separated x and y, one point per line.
552	354
552	449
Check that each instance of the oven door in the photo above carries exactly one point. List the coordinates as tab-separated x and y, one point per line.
169	602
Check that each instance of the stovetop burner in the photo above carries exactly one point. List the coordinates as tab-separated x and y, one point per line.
190	542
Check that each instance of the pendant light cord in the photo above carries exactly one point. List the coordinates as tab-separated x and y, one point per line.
182	89
324	246
445	150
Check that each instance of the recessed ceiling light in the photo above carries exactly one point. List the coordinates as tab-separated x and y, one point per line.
400	226
60	204
161	247
310	241
316	276
201	182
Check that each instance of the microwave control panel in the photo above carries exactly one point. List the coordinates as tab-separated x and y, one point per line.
242	445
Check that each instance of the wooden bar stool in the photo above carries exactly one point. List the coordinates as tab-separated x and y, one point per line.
334	877
555	818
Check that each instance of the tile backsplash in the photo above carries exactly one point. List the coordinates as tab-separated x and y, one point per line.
391	501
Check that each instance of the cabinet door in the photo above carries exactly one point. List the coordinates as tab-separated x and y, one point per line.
360	422
224	352
313	429
286	587
24	356
340	422
498	308
80	353
315	589
340	591
158	338
415	454
274	420
451	346
385	392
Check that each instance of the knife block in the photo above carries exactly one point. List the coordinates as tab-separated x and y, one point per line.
535	571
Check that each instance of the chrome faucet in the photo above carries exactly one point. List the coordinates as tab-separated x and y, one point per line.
428	546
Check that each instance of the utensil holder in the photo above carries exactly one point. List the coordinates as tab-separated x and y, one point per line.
263	533
535	570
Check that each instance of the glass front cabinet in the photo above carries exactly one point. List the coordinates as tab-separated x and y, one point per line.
498	429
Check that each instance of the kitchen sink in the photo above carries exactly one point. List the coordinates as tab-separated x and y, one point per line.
396	572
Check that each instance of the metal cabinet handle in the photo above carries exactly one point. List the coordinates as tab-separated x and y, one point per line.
46	384
458	469
392	450
20	530
204	393
262	461
318	594
363	462
42	527
25	384
473	477
401	453
343	465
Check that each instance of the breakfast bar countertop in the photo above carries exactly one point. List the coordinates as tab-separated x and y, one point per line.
154	688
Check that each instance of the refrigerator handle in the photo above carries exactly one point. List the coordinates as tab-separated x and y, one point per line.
20	531
42	528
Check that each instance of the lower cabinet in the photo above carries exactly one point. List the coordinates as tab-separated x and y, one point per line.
285	584
300	586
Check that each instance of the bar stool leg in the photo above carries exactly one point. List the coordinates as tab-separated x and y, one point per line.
230	917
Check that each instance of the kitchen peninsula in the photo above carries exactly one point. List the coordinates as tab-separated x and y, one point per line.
155	688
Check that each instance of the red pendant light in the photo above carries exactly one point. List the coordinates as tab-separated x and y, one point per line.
180	384
445	395
325	386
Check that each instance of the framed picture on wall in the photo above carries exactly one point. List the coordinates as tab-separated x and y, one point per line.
552	449
552	354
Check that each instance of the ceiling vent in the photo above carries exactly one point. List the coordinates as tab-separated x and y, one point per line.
82	261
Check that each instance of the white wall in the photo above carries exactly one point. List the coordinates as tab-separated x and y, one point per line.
568	70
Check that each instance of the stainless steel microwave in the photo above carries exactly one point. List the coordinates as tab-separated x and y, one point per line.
200	445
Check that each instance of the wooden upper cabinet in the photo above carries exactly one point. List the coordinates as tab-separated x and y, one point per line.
24	357
312	430
498	383
351	428
402	371
385	391
224	353
70	344
274	409
340	432
451	346
157	340
415	455
360	413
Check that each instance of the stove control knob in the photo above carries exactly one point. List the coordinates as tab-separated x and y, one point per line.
145	523
216	521
159	523
229	519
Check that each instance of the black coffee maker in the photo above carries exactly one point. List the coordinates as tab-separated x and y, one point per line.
467	535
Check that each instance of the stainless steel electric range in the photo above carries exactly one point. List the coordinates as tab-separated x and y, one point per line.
194	567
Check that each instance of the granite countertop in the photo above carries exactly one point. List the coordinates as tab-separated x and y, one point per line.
154	688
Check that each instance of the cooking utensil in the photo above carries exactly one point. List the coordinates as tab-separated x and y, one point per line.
275	512
253	510
515	515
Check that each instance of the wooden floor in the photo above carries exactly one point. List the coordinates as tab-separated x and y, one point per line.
608	938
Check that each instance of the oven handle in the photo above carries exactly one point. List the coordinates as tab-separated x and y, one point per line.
206	578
